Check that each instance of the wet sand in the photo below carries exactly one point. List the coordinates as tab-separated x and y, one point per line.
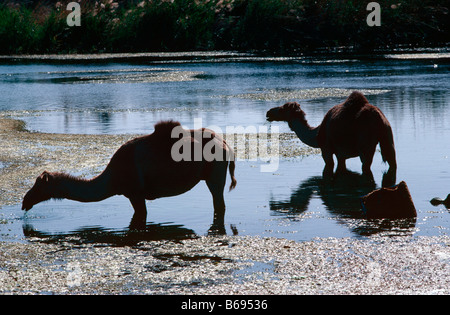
230	265
202	265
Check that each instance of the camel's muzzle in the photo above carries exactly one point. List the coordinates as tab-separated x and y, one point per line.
26	207
26	203
269	115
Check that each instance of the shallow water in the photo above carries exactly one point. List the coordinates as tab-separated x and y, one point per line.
116	97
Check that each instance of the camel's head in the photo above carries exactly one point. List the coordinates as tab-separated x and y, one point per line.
287	112
41	191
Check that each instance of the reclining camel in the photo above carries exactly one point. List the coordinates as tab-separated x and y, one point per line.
389	202
144	168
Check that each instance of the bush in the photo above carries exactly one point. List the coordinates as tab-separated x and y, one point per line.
173	25
17	30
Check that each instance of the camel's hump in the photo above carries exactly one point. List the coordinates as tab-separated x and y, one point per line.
356	99
166	126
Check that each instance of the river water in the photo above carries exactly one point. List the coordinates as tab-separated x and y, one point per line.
128	96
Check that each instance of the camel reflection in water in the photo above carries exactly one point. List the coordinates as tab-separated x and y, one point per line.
341	195
115	237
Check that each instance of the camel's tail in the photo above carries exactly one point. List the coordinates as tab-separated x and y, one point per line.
387	145
230	157
233	179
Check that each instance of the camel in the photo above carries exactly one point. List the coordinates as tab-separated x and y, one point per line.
144	168
351	129
392	202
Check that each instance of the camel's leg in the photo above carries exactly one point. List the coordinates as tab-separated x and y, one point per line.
329	162
389	178
342	167
216	184
366	160
140	213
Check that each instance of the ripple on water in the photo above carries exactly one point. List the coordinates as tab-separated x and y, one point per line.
302	94
101	76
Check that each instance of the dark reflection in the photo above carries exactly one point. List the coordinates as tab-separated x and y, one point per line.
341	195
139	223
388	227
114	237
217	229
438	201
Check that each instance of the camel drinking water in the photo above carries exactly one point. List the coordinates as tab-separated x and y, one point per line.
143	168
351	129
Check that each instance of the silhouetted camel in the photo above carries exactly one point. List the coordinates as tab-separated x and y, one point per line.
351	129
144	168
389	202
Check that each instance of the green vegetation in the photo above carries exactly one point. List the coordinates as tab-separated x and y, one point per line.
280	26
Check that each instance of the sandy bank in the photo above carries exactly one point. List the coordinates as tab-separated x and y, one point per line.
230	265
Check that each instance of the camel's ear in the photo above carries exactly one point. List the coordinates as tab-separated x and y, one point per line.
292	106
45	176
295	106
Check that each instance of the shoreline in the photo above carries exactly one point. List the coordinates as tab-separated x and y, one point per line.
227	55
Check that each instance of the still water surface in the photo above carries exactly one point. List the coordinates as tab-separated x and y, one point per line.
293	202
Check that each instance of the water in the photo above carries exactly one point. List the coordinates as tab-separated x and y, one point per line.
106	97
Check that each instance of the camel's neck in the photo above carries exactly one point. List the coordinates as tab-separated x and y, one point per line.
95	189
306	133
